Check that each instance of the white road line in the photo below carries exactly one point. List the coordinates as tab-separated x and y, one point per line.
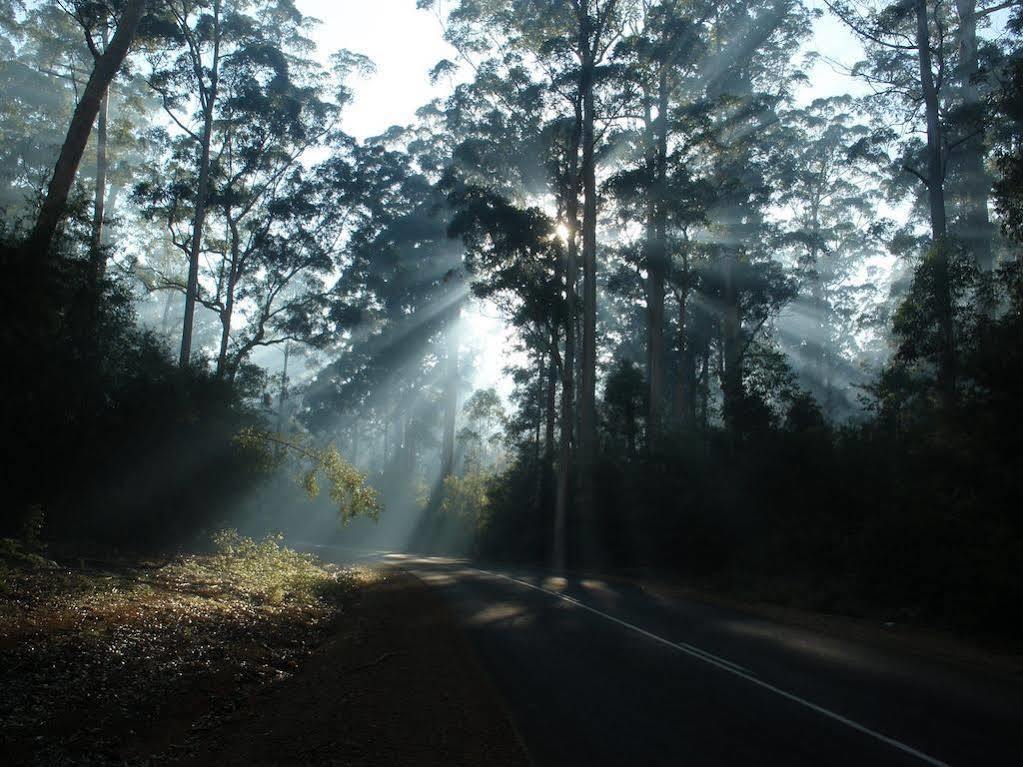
731	668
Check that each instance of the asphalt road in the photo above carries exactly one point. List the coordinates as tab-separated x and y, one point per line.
604	674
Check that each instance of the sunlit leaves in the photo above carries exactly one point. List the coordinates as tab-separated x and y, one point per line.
88	648
348	488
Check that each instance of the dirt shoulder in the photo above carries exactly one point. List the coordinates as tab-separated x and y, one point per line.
397	684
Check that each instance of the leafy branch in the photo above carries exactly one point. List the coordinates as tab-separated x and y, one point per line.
348	488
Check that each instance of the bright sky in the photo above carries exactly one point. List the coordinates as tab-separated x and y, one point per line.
403	42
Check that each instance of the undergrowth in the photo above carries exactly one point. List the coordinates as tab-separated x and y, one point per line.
124	660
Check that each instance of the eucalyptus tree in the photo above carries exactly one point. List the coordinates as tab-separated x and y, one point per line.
973	88
491	133
244	103
45	66
484	430
750	73
569	41
395	301
1007	107
911	59
830	193
663	93
107	61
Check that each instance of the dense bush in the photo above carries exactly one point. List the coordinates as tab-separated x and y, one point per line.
103	432
912	512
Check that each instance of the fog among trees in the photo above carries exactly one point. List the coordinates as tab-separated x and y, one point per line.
745	335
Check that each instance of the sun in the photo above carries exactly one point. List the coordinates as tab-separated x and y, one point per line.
561	230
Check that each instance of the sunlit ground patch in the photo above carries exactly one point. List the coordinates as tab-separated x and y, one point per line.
501	611
127	657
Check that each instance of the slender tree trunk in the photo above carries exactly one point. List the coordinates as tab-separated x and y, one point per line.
654	298
550	425
164	323
655	354
567	426
818	346
97	257
935	166
538	423
657	267
225	337
198	223
588	383
202	194
281	398
976	182
686	396
227	313
730	341
84	117
447	464
410	451
704	388
936	203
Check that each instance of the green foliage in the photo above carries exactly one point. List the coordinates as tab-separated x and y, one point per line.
143	448
267	570
465	510
348	488
140	636
466	498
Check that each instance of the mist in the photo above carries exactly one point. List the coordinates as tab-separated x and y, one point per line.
719	293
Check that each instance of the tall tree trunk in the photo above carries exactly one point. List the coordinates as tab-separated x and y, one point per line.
737	219
731	384
227	313
84	117
567	426
686	386
939	255
202	191
97	258
195	247
447	463
164	323
225	337
588	382
819	344
550	417
657	267
282	397
410	453
976	181
541	368
705	387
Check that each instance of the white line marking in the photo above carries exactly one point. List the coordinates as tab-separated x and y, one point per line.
731	668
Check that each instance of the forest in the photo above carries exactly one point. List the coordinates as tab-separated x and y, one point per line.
720	294
746	334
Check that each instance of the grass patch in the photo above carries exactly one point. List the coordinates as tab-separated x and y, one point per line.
124	660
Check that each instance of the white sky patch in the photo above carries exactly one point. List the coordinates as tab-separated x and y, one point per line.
838	49
492	341
404	44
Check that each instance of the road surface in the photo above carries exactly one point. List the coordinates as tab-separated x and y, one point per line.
605	674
